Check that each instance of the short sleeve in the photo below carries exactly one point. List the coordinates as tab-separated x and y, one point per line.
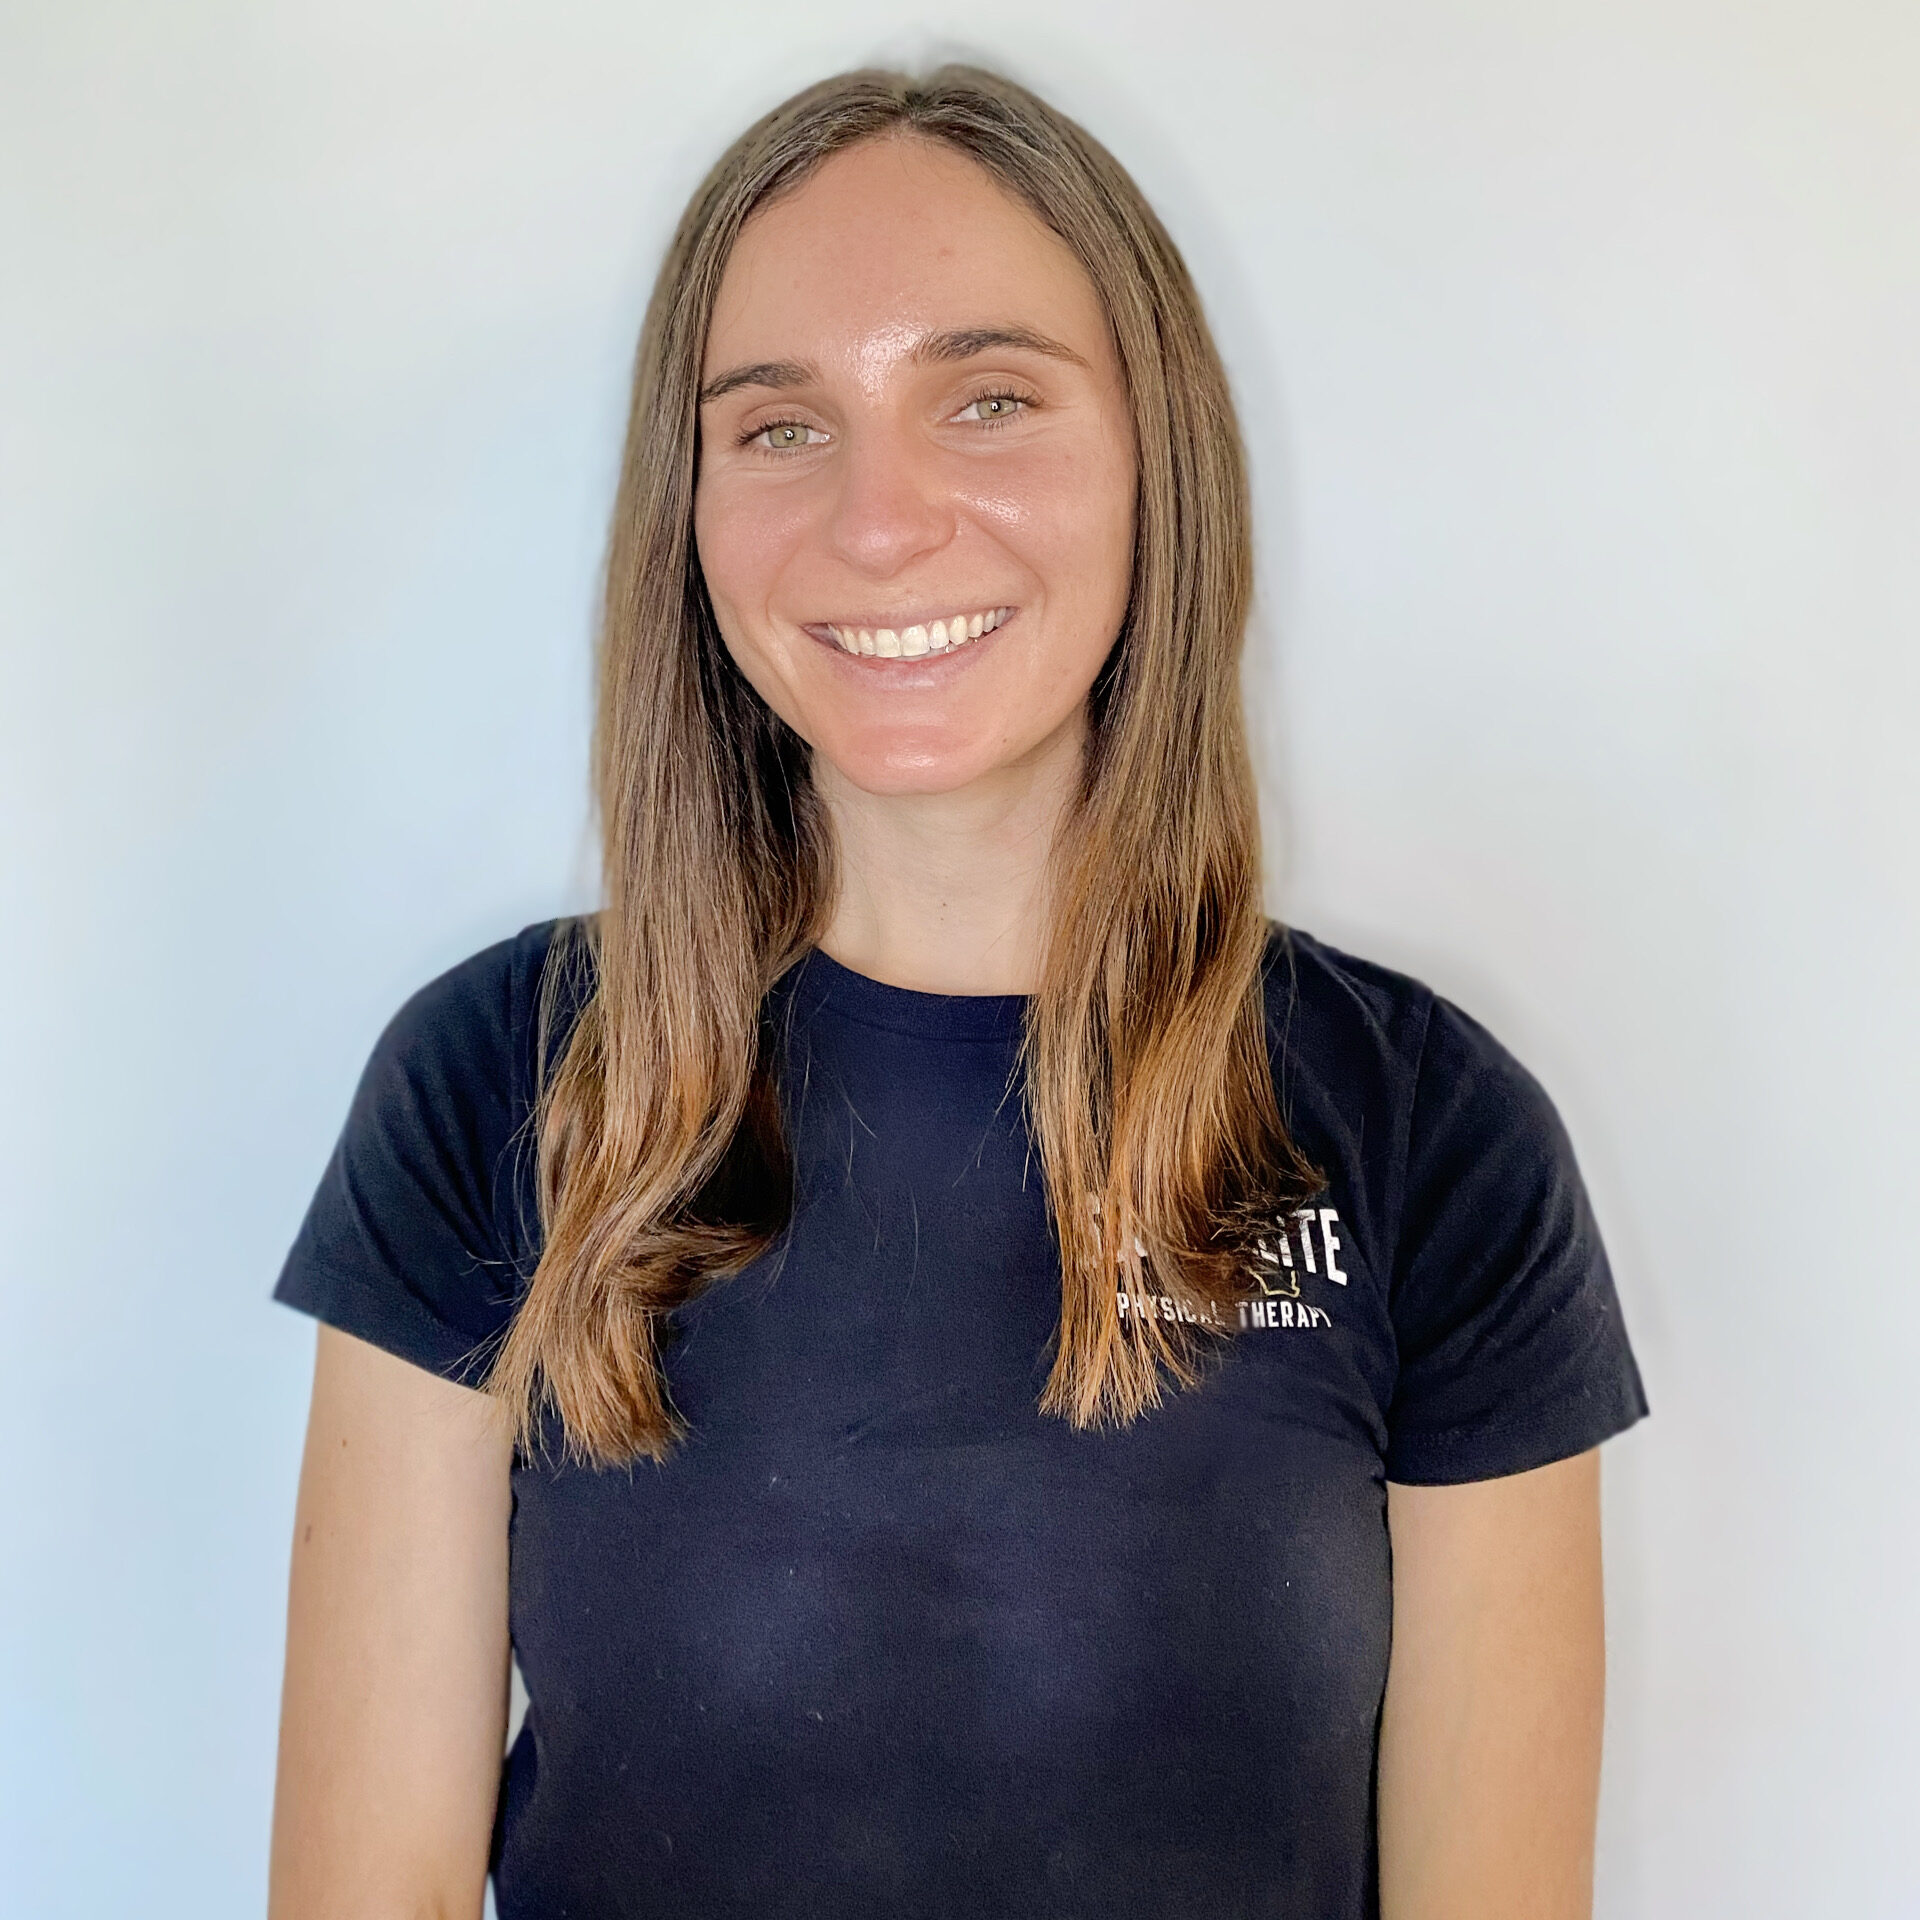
1512	1351
414	1239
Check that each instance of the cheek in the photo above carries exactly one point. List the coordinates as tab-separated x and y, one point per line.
1108	489
1069	518
1094	537
744	537
1075	491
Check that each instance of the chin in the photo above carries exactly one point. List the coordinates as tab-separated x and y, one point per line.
889	764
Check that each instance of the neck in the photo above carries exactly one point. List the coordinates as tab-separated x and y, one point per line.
947	892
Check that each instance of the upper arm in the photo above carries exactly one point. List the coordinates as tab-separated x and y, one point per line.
1490	1735
394	1711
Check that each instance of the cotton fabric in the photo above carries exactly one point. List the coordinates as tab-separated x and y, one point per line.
881	1639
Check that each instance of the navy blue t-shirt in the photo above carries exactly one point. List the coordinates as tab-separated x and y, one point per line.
881	1639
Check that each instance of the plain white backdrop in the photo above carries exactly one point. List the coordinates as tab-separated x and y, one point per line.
1576	350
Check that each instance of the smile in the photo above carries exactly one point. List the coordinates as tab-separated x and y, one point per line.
909	643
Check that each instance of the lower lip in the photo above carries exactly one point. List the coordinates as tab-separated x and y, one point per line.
918	670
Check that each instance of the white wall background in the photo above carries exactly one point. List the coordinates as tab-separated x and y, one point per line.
1576	341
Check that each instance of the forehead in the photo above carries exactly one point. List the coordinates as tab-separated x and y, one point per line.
897	236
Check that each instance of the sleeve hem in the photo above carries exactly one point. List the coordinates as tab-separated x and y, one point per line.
1458	1455
398	1324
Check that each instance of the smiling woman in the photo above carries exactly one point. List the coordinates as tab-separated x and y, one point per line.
1020	1537
934	462
912	476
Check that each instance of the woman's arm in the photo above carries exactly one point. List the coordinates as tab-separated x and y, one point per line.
394	1710
1490	1737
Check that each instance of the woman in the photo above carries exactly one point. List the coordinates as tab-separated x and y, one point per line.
1118	1383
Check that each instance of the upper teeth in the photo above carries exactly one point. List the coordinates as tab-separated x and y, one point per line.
940	636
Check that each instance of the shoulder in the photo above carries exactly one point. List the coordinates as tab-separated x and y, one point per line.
1408	1103
1320	998
1345	1036
423	1229
478	1010
1336	1021
1505	1328
463	1051
448	1096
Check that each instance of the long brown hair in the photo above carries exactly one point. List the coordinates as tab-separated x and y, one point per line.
662	1159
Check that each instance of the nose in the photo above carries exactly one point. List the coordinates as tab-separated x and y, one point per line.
891	507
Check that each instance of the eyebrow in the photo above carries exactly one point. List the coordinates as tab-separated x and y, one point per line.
762	373
954	344
963	343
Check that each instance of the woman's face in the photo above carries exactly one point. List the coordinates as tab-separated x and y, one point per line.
916	485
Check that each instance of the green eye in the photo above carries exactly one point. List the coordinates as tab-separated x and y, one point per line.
991	408
787	433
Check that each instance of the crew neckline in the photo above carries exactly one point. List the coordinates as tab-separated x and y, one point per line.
822	984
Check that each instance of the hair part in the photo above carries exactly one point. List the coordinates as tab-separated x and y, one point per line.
663	1164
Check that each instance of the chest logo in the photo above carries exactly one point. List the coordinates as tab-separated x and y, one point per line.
1283	1304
